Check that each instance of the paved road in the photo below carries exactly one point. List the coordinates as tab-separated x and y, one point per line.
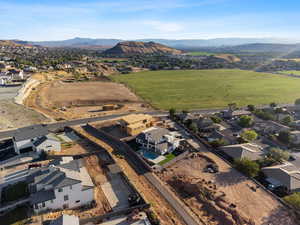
53	126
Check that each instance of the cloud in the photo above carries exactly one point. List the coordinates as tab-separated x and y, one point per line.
164	26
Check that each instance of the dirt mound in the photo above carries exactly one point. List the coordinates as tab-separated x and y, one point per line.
139	48
214	203
228	57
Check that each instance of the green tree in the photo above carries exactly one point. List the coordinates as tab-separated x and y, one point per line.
278	155
284	136
172	112
249	135
278	110
218	143
245	121
193	127
287	120
232	106
247	167
293	200
216	119
251	108
264	115
297	102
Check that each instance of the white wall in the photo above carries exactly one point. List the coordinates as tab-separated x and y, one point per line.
74	195
49	145
22	144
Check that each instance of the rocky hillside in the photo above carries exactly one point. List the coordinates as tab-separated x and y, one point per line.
139	48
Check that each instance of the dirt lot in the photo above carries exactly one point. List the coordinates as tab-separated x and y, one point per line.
59	99
223	198
13	115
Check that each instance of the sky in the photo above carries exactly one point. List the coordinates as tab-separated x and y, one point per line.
42	20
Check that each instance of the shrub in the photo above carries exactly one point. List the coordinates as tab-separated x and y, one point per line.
249	135
285	137
218	143
287	120
293	200
297	102
172	112
247	167
264	115
245	121
216	119
251	108
278	155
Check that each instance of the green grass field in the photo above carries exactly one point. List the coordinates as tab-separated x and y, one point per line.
295	72
204	89
200	53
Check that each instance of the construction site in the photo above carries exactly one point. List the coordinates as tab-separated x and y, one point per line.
59	98
222	196
163	210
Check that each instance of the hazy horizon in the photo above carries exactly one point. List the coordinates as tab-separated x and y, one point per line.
144	19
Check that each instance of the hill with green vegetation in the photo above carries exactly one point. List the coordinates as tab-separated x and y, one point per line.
204	89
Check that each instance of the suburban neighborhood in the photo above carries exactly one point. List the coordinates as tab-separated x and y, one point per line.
139	112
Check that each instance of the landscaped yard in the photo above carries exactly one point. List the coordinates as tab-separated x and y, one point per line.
169	157
201	89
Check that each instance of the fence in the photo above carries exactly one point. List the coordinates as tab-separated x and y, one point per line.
176	159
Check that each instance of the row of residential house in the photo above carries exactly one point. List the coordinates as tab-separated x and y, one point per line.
60	185
10	76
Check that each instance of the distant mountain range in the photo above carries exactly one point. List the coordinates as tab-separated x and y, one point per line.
182	44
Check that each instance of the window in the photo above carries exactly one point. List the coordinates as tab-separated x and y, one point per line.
36	206
43	205
66	198
51	201
71	187
77	201
60	189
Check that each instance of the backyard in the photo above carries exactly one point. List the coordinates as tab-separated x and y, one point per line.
203	89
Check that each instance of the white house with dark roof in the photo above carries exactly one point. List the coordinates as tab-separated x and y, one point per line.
57	186
240	151
159	140
63	186
35	138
